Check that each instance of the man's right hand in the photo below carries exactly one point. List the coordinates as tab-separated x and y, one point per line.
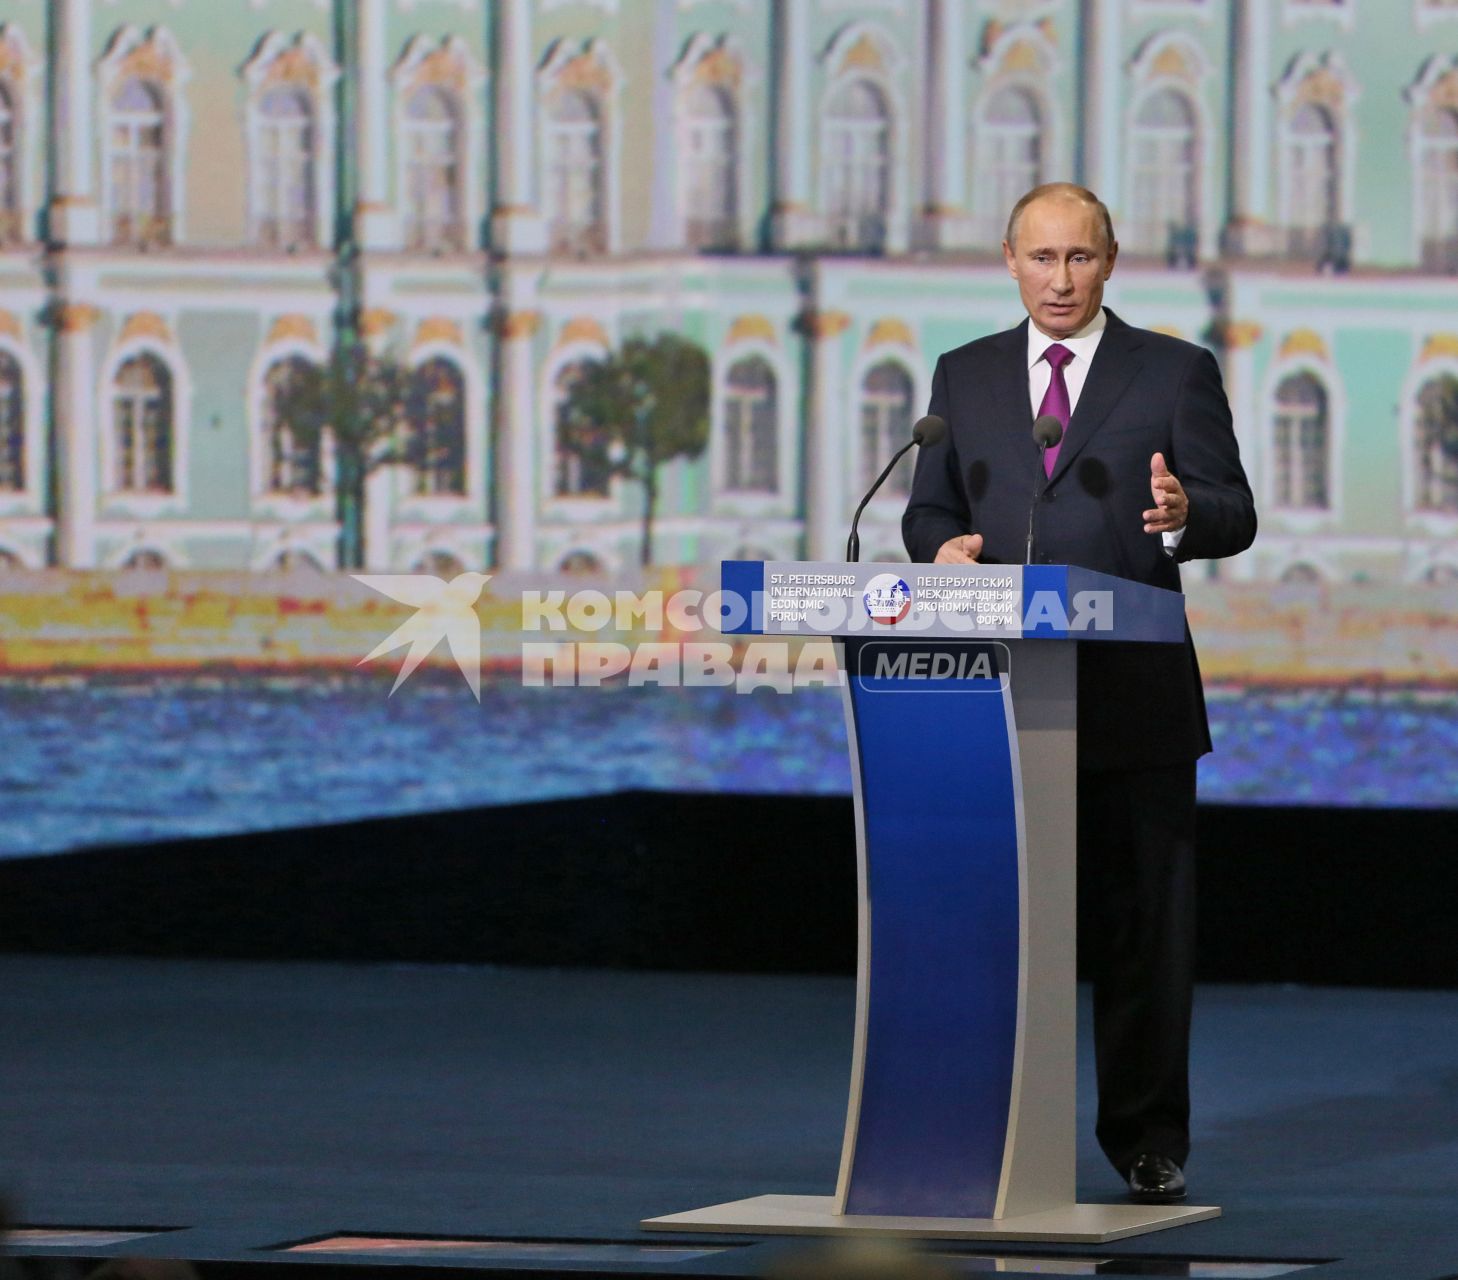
960	550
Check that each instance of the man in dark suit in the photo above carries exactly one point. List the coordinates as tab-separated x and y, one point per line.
1147	475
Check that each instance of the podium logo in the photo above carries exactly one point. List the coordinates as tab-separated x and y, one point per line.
443	611
887	598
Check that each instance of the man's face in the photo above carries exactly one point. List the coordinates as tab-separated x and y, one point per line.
1060	263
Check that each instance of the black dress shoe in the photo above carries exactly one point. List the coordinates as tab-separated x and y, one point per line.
1156	1179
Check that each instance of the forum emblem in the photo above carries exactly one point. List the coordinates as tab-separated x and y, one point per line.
887	599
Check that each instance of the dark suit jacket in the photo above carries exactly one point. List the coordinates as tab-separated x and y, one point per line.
1140	706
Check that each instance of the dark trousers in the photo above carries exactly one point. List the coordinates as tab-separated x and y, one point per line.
1136	890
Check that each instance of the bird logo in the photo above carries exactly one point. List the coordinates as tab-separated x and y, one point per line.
443	611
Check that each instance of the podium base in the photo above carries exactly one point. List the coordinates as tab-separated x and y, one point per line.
812	1216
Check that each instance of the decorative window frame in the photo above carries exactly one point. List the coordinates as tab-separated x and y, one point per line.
155	57
1172	60
166	545
719	63
22	71
1425	367
447	64
1428	14
1342	12
570	506
865	51
1021	57
123	504
464	545
1337	91
1436	84
1201	9
585	65
305	63
870	357
1302	520
728	501
431	507
29	500
264	501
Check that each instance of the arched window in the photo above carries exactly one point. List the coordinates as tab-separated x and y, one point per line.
438	428
12	425
1011	152
751	435
9	166
295	561
1438	188
1437	445
1302	443
1163	166
710	161
142	410
145	558
433	166
1301	574
857	165
885	425
441	563
283	180
137	149
1312	166
582	468
293	460
580	563
575	179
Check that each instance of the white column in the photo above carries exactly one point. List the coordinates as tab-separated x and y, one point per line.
664	225
517	225
1250	229
1098	160
945	220
74	215
375	223
1243	392
794	223
826	517
515	471
381	487
74	408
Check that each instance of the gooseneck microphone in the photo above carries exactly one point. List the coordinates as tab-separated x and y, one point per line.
928	430
1047	432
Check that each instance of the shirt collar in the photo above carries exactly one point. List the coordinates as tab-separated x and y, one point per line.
1082	343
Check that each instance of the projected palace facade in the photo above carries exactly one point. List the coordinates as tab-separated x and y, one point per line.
192	191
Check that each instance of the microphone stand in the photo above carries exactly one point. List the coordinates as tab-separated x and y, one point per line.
853	543
1040	486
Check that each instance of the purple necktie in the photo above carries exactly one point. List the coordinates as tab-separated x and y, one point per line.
1055	399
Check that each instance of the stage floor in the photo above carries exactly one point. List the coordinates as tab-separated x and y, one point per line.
512	1120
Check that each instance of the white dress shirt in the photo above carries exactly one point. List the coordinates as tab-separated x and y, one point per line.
1083	344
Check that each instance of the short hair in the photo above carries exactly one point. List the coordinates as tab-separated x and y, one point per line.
1071	189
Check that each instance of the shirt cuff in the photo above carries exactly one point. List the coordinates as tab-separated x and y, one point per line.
1172	540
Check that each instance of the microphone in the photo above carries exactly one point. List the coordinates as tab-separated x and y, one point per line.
1047	431
928	430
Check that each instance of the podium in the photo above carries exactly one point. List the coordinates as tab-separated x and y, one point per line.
960	695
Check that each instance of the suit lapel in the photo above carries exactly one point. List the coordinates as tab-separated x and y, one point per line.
1115	363
1007	383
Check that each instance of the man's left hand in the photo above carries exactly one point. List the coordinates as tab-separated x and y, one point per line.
1172	505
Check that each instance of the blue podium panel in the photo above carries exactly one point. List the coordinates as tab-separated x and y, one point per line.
940	796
